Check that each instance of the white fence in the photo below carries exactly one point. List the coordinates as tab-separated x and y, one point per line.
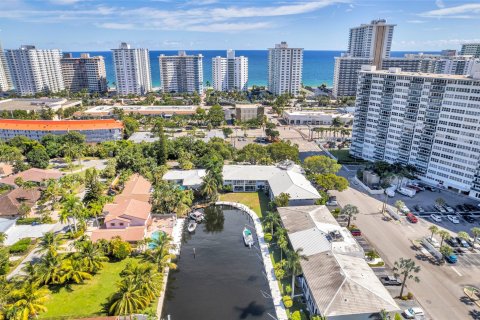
267	262
380	191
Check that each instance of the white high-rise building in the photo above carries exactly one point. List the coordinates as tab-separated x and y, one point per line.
372	41
84	73
230	73
181	73
132	70
427	120
33	70
5	80
285	66
471	49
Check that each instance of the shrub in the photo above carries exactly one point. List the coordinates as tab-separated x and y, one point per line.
287	301
268	237
20	246
288	289
23	221
297	315
409	296
398	316
336	212
120	249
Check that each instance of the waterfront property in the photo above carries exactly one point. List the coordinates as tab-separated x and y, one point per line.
84	73
286	177
427	120
129	216
94	130
285	68
181	73
337	281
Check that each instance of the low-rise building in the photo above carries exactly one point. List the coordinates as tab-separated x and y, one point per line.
337	282
164	111
12	201
37	105
94	130
286	177
315	117
32	175
245	112
129	216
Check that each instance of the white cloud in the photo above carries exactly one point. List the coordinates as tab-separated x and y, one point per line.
464	11
440	4
64	2
229	27
117	26
416	21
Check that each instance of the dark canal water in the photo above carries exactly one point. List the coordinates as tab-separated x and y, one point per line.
225	279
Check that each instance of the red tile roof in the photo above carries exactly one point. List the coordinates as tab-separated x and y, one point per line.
33	174
128	208
11	201
130	234
59	125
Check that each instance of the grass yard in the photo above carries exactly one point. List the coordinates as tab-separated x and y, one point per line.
88	299
257	201
343	156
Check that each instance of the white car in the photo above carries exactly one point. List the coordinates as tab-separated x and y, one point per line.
453	219
434	242
436	217
449	209
413	313
405	209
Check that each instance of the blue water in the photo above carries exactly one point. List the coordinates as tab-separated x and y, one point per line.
317	65
154	236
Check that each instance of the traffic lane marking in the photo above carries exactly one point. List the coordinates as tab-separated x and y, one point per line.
456	271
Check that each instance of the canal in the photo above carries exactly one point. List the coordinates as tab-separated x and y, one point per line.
224	279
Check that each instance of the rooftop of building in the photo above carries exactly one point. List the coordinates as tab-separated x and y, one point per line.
107	109
11	201
333	113
189	177
340	280
124	208
59	125
247	106
399	72
33	175
130	234
36	104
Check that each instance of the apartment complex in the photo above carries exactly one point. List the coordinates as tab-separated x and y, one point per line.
132	70
84	73
181	73
373	40
246	112
94	130
471	49
230	73
5	80
347	68
427	120
285	67
33	70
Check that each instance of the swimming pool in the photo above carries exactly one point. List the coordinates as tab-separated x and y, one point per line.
154	236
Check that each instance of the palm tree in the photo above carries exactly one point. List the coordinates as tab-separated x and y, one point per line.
350	211
399	204
476	233
91	256
50	269
293	264
51	192
434	230
128	300
3	237
406	268
271	220
147	278
209	187
463	235
72	207
28	301
282	241
49	242
162	258
444	235
73	269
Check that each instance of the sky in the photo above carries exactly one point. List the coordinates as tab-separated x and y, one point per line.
97	25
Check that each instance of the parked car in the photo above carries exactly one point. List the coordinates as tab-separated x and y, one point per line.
449	209
434	242
356	232
461	208
407	192
453	219
390	281
463	243
430	188
419	208
413	313
332	201
440	208
452	243
404	209
411	217
469	219
436	217
451	258
470	207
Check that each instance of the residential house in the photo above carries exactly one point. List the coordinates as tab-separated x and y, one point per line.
11	202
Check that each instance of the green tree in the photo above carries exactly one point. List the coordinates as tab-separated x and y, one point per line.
227	131
216	116
321	165
349	211
271	220
446	251
209	187
283	150
331	181
434	230
128	299
73	270
130	125
28	301
282	200
49	242
399	204
161	145
407	269
444	235
4	262
38	157
94	188
3	237
254	154
293	264
91	256
463	235
476	233
440	202
120	249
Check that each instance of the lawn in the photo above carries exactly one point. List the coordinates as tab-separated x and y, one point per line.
88	299
343	156
257	201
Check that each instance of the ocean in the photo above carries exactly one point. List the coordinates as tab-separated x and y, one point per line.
317	65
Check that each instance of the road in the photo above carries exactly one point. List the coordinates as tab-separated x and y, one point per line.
440	291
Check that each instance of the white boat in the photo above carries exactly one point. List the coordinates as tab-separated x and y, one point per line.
192	226
197	216
248	237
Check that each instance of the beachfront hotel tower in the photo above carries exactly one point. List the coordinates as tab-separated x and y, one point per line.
230	73
84	73
132	70
285	69
181	73
33	70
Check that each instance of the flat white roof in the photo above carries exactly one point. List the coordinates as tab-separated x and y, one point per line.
189	177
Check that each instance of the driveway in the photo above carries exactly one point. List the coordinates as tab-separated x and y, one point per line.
440	291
